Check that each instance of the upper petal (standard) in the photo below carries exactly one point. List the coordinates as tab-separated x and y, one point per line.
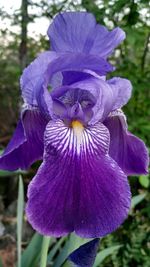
78	32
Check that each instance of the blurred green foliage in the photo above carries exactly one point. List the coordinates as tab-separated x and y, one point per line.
132	61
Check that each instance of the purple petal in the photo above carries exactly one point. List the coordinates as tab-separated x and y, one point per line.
85	255
69	31
68	62
78	62
78	187
126	149
46	70
72	103
33	75
59	109
122	89
78	32
26	145
106	41
103	94
70	77
109	95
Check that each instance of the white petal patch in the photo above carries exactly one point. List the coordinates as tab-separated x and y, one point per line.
77	139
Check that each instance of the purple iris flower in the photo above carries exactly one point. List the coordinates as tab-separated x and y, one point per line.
72	120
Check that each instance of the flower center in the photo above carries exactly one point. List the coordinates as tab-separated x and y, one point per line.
78	128
77	125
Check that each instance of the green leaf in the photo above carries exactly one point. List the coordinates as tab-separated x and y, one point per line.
7	173
144	180
105	253
20	208
67	264
44	250
55	248
31	255
136	200
71	244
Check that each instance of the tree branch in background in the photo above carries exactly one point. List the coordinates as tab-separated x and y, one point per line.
24	24
143	59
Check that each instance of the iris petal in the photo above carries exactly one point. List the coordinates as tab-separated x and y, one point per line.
70	77
78	32
109	95
121	89
26	145
106	41
35	80
75	29
126	149
66	62
103	94
78	187
33	76
85	255
79	62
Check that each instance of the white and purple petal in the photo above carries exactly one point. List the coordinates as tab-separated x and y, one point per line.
26	145
78	32
78	187
126	149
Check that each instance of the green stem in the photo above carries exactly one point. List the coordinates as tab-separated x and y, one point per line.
45	246
20	208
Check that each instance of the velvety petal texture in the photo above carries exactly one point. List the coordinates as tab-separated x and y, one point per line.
125	148
26	145
85	255
78	32
78	187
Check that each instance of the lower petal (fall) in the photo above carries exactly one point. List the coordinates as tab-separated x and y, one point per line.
78	187
126	149
26	145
